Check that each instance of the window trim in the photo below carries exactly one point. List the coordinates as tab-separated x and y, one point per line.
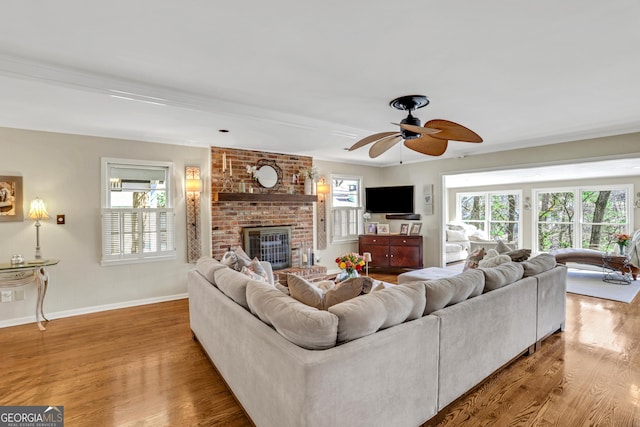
578	214
359	209
488	218
141	257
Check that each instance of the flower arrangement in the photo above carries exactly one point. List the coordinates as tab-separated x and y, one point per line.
252	171
309	173
352	262
622	239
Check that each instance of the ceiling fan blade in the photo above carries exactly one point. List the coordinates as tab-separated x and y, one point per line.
371	138
418	129
454	131
427	145
383	145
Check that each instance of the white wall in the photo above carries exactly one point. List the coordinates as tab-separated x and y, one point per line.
64	171
431	172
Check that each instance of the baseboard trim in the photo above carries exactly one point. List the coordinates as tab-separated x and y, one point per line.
92	309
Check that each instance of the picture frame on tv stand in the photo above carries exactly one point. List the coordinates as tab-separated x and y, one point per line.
383	228
415	229
371	228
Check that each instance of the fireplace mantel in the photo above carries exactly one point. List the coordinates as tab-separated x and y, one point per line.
263	197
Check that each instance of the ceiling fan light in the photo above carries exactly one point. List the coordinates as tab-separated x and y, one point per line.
410	120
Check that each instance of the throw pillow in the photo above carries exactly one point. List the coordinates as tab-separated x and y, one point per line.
493	259
473	259
502	247
519	255
312	294
305	292
257	268
456	236
230	259
243	259
253	275
347	290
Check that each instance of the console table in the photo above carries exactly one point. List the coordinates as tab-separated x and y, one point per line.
14	275
392	251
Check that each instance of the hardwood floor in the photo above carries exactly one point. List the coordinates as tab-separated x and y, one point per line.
140	366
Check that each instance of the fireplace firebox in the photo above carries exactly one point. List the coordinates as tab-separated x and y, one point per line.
271	244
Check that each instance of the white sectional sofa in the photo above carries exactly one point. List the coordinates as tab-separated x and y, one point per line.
395	356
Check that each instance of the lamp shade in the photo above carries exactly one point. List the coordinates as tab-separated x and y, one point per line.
194	185
322	187
366	256
38	211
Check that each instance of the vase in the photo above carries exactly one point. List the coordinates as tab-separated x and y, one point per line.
347	274
308	184
622	248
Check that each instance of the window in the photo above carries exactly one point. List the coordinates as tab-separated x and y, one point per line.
137	218
496	214
581	217
346	208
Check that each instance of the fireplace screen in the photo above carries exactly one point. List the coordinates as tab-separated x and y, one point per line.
271	244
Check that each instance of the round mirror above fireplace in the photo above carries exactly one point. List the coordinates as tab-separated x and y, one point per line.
268	173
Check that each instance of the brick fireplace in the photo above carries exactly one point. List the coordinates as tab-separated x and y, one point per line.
230	217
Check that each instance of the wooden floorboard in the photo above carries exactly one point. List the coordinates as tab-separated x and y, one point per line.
140	366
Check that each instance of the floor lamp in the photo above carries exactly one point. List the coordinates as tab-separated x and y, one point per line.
38	212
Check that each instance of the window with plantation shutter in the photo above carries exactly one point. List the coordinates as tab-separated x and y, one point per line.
346	208
137	218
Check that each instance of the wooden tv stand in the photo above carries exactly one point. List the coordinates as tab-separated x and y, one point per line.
392	251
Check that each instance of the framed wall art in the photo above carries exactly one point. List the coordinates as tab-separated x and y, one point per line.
11	198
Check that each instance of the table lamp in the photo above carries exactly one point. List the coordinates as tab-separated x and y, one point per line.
38	212
367	259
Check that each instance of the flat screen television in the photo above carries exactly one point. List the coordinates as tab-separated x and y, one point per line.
389	200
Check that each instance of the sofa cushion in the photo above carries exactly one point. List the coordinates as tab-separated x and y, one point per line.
304	326
446	291
313	295
233	284
538	264
502	275
382	309
207	267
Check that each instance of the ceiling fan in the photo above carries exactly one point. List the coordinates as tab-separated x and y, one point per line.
432	138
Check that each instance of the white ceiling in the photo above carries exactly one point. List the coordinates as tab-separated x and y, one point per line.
313	78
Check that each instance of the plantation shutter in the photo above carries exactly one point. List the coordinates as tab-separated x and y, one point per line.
137	234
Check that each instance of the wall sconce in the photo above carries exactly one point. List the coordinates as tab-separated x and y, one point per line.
38	212
367	259
527	203
193	188
322	189
637	202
